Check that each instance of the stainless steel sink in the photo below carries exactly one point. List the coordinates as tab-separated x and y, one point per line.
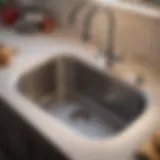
92	103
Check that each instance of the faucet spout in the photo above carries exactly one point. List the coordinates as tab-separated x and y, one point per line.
109	54
88	23
75	11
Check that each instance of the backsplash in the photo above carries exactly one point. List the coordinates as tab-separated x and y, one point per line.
138	34
135	33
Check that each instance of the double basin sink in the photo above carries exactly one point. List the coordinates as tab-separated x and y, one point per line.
92	103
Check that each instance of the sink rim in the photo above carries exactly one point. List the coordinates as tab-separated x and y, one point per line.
111	141
74	59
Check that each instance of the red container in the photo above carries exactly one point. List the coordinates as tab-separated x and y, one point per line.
48	24
9	15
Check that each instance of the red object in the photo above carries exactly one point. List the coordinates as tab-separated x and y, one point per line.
9	15
48	24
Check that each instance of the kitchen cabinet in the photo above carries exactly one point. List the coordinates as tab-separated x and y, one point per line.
20	140
2	156
11	138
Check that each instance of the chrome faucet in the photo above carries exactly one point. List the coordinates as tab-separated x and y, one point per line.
109	54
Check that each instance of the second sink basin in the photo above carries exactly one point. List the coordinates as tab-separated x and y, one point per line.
90	102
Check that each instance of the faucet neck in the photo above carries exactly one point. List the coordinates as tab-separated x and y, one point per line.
75	11
111	36
88	23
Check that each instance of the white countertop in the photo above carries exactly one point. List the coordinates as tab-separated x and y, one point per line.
41	47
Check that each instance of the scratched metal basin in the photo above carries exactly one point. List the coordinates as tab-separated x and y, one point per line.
92	103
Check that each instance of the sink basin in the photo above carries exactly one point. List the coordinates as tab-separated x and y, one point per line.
90	102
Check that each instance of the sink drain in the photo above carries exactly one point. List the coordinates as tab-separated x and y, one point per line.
80	114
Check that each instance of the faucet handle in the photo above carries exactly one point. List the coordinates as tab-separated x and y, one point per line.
139	80
113	58
118	57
